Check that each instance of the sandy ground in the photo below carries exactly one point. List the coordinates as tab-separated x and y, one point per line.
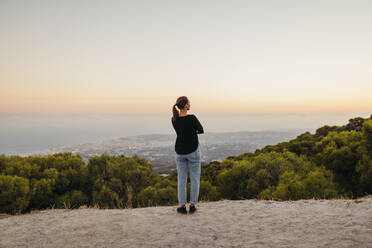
247	223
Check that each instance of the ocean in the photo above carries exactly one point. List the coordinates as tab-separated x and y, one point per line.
26	133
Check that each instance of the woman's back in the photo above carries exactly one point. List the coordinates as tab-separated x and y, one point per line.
187	127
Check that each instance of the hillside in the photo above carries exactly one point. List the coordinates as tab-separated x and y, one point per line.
334	162
241	223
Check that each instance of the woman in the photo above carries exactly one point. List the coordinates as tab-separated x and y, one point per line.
187	153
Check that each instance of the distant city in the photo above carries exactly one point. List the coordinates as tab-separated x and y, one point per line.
159	148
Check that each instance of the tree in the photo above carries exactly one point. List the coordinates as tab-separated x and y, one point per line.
14	193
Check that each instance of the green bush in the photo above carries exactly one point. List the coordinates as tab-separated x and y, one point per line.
72	199
14	193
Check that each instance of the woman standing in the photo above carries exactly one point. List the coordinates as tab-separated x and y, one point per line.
187	153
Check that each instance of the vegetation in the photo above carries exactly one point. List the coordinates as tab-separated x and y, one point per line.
335	161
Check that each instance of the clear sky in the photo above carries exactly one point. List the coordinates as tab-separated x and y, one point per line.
226	56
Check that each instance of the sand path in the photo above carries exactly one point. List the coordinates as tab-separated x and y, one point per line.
246	223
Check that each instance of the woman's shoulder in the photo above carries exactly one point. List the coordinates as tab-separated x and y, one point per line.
191	116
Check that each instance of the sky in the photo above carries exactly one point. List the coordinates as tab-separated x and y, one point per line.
136	57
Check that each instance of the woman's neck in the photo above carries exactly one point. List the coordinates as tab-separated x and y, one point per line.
183	113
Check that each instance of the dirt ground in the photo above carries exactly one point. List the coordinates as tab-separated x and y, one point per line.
245	223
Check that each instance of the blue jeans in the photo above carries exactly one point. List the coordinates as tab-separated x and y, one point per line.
185	162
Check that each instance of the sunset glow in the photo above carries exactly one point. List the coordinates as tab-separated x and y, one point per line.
226	56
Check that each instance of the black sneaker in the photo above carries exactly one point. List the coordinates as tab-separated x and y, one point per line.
192	209
182	210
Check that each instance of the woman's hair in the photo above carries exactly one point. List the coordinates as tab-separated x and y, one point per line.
180	103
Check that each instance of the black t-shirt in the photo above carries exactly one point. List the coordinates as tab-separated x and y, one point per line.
187	127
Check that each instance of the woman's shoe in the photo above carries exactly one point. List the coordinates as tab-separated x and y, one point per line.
182	210
192	209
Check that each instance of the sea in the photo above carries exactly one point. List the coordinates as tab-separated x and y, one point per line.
23	134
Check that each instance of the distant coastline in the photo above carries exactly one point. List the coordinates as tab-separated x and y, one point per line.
22	134
159	148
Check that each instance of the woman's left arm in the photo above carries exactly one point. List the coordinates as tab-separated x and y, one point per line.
199	127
